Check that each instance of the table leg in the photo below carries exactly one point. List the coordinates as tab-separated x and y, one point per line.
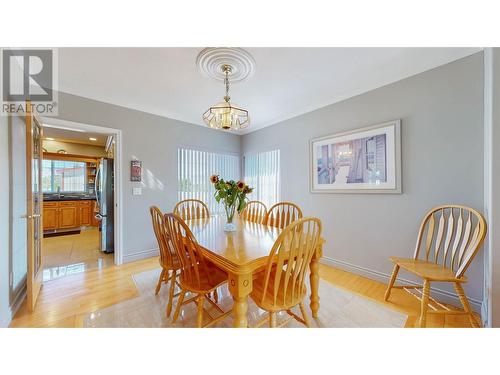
240	287
314	280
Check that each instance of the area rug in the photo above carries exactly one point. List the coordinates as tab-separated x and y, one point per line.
339	309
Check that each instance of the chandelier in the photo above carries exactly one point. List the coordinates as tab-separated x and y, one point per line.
225	115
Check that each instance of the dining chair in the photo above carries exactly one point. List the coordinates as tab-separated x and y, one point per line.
169	261
282	214
453	235
197	275
254	211
281	287
191	209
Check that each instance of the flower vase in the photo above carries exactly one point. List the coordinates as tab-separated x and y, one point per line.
230	210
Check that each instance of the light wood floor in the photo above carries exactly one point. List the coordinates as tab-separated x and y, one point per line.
63	302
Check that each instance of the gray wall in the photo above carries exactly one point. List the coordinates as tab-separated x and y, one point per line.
442	162
153	140
4	224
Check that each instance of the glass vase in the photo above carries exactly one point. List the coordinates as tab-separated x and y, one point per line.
230	210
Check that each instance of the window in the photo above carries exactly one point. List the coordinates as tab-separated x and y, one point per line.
63	175
262	172
194	169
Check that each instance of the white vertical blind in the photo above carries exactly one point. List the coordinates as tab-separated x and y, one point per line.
194	168
262	172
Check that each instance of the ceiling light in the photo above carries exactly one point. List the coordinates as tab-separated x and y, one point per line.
225	115
92	139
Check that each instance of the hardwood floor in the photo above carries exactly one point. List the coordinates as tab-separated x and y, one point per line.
63	302
400	300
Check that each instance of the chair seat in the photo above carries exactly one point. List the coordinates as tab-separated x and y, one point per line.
427	270
207	285
281	304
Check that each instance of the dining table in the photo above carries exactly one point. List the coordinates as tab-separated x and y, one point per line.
242	254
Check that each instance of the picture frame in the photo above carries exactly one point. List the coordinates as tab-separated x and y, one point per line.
135	171
364	160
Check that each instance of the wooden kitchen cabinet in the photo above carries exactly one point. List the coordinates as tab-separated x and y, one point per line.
50	213
68	217
85	210
67	214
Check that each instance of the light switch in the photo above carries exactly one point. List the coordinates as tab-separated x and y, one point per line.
137	191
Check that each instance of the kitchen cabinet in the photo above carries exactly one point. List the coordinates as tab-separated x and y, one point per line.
50	212
67	214
85	213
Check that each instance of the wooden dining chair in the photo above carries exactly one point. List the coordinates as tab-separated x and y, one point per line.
281	287
197	275
189	209
282	214
169	261
254	211
453	235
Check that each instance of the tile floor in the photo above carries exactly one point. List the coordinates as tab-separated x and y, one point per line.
73	253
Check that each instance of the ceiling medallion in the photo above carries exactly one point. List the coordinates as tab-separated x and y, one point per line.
210	61
225	63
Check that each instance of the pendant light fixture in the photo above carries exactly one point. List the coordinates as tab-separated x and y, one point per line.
225	115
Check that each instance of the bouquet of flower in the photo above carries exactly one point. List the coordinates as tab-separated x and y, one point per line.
234	196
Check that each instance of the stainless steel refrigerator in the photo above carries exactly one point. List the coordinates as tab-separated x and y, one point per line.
104	189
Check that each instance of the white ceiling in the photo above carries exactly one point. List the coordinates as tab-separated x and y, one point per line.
287	81
74	136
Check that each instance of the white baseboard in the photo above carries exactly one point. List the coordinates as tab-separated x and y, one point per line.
484	314
5	321
444	295
139	255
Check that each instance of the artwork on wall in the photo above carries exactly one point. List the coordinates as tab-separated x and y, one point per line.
136	171
366	160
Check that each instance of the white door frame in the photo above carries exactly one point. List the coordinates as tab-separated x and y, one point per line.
118	212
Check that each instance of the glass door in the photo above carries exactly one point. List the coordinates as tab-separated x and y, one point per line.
34	206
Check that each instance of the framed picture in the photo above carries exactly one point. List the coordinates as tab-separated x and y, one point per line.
366	160
135	170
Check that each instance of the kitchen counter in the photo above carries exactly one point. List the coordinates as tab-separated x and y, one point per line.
56	198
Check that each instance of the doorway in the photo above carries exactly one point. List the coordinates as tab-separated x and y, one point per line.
82	197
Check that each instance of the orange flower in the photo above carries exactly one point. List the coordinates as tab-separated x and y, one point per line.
214	179
240	185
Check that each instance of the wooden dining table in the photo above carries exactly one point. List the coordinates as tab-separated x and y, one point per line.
243	254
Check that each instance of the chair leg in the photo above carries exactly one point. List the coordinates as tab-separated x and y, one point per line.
199	302
216	296
305	315
424	303
179	305
391	282
466	305
171	293
272	319
160	280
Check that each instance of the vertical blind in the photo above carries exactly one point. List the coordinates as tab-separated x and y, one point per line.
262	172
194	168
63	175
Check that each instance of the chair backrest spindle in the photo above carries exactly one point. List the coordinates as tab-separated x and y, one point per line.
282	214
164	242
191	209
193	265
289	261
254	211
459	235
